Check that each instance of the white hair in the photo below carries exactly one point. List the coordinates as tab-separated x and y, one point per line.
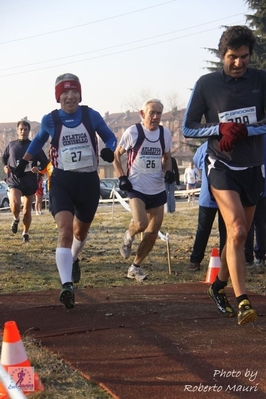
151	101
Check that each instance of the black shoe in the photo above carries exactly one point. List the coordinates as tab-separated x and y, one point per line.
222	303
76	271
193	267
14	226
25	237
246	314
67	296
250	263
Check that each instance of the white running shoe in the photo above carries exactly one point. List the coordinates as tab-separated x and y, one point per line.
126	249
136	273
258	262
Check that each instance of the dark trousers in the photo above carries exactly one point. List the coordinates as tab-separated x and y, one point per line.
258	228
206	218
170	191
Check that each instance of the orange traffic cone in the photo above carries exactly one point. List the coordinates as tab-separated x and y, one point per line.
214	266
16	362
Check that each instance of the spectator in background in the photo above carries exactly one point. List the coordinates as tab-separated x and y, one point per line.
39	195
191	176
170	187
207	211
258	231
49	170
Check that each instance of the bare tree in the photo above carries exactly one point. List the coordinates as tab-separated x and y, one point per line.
171	100
134	102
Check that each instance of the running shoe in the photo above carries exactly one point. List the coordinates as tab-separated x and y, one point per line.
136	273
259	265
25	238
222	303
259	262
126	249
67	296
14	226
246	314
76	271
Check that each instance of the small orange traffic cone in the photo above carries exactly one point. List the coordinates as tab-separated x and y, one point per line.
214	266
15	361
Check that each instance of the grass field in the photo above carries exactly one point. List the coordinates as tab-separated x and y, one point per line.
31	267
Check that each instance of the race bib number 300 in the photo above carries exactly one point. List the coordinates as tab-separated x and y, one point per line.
243	115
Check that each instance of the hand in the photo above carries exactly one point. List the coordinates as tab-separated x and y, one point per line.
7	169
124	184
35	169
226	143
169	177
234	130
20	169
107	155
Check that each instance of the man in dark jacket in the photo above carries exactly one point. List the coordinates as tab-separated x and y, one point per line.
233	103
25	186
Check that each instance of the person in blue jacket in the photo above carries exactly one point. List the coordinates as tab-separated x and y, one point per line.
74	185
258	231
207	212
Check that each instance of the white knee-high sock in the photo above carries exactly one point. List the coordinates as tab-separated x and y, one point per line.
77	247
64	262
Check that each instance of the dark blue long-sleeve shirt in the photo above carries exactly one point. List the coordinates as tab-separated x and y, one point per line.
214	99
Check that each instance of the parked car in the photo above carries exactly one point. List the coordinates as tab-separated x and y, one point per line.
4	200
105	191
113	182
4	184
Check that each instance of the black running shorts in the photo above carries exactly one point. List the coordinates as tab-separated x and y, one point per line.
151	201
27	185
75	192
249	183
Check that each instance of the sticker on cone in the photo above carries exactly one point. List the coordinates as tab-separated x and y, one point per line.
7	383
214	266
15	361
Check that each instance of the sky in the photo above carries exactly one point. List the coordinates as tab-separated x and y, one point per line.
123	51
